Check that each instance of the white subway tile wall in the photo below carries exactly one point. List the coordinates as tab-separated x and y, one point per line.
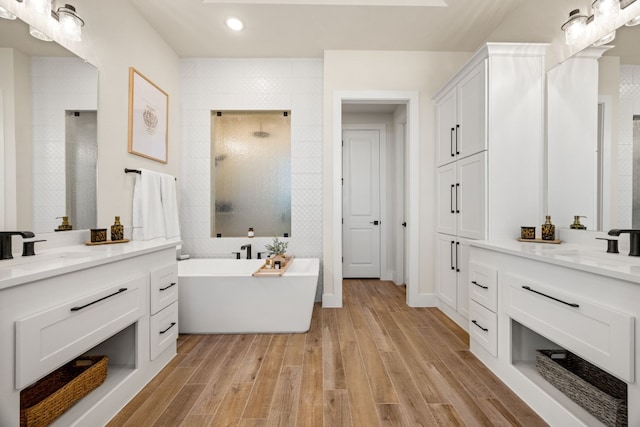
251	84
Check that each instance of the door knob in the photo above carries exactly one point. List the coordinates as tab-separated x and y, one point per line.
376	222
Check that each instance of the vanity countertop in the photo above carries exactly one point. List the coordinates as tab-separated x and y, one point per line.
67	259
584	258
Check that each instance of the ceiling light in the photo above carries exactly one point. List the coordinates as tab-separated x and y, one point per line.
4	13
606	39
575	26
234	23
70	23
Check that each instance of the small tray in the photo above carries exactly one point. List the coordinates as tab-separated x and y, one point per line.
272	272
106	242
554	242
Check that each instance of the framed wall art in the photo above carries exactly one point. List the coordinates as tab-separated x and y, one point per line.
148	118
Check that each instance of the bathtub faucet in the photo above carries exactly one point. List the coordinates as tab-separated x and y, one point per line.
248	248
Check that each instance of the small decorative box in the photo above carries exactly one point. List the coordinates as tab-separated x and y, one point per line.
527	232
98	235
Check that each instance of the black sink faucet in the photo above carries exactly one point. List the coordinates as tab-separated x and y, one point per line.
248	248
634	240
5	242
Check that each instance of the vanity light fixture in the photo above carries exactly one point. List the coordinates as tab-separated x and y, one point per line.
5	14
633	21
603	9
234	23
39	34
574	27
70	23
606	39
43	7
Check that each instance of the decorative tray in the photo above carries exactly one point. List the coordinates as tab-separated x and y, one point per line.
106	242
272	272
554	242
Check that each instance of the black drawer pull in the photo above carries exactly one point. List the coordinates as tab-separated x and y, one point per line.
167	287
476	323
121	290
479	285
170	326
570	304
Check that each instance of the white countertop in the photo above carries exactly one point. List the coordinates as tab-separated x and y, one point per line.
584	258
67	259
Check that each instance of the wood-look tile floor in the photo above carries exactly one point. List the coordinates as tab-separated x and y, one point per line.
375	362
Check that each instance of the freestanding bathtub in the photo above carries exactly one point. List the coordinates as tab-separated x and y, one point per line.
220	296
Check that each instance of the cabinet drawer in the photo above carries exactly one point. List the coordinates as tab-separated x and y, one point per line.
51	338
163	330
595	332
164	287
483	327
483	285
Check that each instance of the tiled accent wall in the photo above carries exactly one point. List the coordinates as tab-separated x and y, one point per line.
251	84
629	105
57	84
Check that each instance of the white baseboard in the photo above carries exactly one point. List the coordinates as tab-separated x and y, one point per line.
463	322
423	300
331	301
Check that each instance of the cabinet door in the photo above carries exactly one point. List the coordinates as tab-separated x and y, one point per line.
471	196
446	270
447	200
462	264
471	133
445	129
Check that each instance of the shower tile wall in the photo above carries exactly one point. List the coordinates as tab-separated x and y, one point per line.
58	84
251	84
629	106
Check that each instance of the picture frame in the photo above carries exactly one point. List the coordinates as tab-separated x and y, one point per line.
148	118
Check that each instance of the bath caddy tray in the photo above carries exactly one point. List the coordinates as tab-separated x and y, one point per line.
554	242
272	272
106	242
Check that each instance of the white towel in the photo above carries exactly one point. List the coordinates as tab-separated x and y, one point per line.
148	211
169	206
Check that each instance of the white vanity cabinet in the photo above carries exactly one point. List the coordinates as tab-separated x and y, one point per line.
547	301
95	303
490	155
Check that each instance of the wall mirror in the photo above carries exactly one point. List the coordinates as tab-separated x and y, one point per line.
593	141
251	182
50	114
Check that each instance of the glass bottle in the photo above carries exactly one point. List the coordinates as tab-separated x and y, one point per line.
117	230
548	229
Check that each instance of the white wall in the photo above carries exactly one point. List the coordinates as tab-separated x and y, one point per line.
424	72
115	38
251	84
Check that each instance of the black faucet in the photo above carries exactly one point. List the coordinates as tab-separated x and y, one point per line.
5	242
248	248
634	240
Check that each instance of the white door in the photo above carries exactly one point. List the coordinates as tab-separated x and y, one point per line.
445	129
446	269
361	204
447	193
471	196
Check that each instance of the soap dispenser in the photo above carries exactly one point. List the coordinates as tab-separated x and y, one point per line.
117	230
548	229
576	223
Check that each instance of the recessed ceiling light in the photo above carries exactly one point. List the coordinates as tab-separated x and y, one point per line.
234	23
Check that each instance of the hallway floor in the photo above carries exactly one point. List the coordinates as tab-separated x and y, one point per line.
374	362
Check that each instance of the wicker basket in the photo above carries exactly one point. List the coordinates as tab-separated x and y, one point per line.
47	399
601	394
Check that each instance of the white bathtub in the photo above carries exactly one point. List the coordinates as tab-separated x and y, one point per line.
220	296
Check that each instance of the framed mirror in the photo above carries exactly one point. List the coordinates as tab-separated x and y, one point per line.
50	131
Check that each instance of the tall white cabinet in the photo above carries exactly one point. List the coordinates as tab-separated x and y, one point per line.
489	159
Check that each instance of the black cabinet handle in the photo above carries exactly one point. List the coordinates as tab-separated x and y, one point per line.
476	323
452	267
121	290
167	287
457	127
570	304
457	188
451	194
457	266
479	285
170	326
451	139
